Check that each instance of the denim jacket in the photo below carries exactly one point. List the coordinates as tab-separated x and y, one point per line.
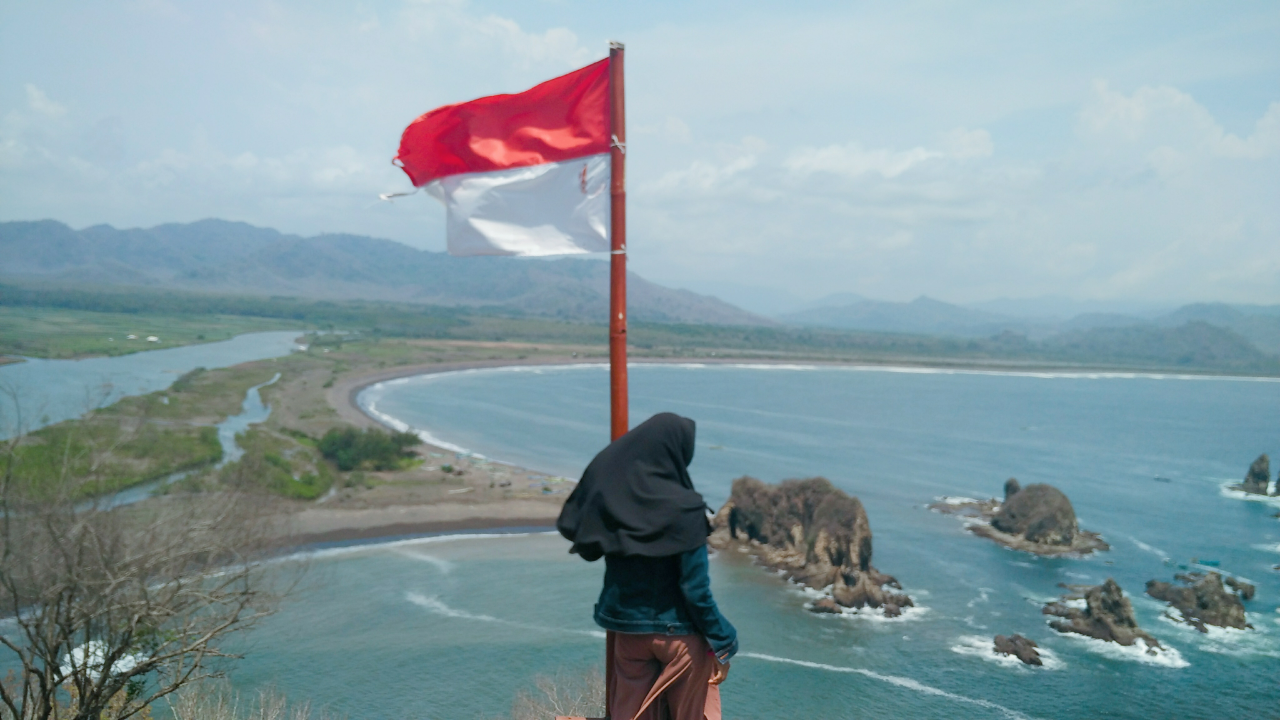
668	595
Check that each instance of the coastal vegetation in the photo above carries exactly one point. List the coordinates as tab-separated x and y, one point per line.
369	449
300	452
55	332
278	464
135	440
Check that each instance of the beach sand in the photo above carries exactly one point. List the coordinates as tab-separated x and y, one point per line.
475	494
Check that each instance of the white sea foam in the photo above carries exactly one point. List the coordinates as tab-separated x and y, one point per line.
1268	547
335	552
1168	657
895	680
1256	642
435	605
1148	548
866	614
957	500
902	369
370	407
984	647
983	596
1226	490
444	566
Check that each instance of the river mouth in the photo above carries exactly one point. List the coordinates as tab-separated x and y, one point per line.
51	391
252	411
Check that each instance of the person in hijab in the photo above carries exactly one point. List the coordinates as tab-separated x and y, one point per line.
668	646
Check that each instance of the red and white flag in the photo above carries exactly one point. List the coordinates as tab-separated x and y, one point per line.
523	174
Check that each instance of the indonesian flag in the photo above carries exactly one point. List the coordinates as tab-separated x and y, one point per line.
524	174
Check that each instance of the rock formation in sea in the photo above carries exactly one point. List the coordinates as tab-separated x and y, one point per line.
1037	519
1011	488
815	535
1022	648
1107	615
1202	600
1258	478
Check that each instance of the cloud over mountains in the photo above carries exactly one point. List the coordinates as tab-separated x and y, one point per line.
930	149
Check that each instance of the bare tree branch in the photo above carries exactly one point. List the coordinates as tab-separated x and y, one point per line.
119	608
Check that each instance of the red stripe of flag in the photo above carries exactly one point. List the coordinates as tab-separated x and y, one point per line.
560	119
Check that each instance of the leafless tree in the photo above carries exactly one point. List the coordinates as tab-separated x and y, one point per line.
565	694
107	610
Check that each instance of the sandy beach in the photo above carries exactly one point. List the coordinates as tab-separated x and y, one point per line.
475	494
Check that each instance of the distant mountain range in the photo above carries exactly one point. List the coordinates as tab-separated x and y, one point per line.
1258	324
230	258
216	256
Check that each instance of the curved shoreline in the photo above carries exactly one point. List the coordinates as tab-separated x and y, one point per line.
343	395
318	524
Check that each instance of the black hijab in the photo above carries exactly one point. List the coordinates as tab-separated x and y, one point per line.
636	497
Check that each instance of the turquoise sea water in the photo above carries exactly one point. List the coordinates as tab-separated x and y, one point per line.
453	627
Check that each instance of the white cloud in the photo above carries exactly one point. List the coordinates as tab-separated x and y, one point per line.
1168	122
38	101
866	164
705	176
853	160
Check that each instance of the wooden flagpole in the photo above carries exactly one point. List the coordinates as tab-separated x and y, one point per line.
618	235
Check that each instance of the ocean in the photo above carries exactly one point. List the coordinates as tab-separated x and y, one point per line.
455	626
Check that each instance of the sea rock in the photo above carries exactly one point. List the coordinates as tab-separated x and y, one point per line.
1107	615
1243	589
1037	518
825	605
1011	488
1019	647
814	534
1202	600
1040	513
1258	477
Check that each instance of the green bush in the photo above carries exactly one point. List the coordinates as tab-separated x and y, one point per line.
371	449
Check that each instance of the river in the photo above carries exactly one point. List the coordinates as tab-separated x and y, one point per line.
50	391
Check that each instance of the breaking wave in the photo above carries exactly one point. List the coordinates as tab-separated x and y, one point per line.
898	681
1168	657
435	605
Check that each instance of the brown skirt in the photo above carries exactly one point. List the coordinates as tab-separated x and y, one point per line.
660	677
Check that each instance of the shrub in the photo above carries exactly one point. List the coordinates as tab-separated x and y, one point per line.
371	449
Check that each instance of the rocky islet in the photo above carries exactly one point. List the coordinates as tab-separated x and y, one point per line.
816	535
1038	519
1107	615
1020	647
1202	599
1258	478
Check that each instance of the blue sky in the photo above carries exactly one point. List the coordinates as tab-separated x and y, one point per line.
1095	151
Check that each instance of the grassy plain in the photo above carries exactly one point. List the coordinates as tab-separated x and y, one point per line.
61	333
135	440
